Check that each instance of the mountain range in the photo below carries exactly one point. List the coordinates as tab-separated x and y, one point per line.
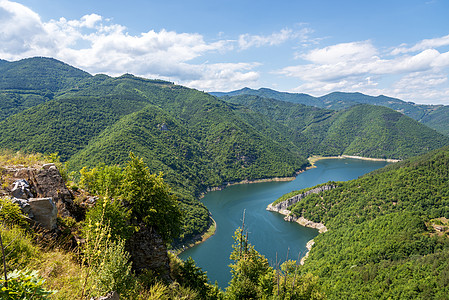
196	139
434	116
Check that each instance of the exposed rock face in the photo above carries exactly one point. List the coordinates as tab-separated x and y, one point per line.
21	189
41	210
44	212
42	182
148	251
282	208
284	205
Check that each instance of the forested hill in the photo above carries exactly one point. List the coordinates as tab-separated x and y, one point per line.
434	116
196	139
32	81
388	232
361	130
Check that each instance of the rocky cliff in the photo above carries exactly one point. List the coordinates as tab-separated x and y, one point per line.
282	208
40	192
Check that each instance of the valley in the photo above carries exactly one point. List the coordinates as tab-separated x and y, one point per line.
147	150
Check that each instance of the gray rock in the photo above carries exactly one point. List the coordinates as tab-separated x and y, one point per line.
284	205
109	296
149	252
44	211
21	189
48	166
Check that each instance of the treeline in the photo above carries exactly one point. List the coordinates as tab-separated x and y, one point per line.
361	130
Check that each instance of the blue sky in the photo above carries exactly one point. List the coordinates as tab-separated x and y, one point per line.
397	48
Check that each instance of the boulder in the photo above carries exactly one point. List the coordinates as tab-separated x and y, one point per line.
21	189
46	182
44	212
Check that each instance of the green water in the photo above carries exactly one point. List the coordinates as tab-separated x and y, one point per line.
268	232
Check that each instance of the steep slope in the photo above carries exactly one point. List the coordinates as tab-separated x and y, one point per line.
434	116
32	81
437	118
362	130
67	124
388	232
39	73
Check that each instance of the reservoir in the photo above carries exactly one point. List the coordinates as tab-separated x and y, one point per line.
267	231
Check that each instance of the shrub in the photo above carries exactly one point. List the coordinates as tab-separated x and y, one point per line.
10	213
24	285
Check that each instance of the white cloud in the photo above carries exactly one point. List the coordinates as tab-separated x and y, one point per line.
360	66
423	45
97	45
342	53
246	41
21	30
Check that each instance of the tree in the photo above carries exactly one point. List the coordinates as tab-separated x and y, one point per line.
150	199
253	278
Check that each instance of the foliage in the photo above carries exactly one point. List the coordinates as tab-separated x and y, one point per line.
254	278
24	284
361	130
107	263
189	275
150	199
10	214
19	248
379	244
102	180
113	214
434	116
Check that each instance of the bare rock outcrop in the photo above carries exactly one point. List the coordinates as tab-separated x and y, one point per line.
282	208
41	182
148	251
284	205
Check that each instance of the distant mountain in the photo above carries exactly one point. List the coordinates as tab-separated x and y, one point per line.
198	140
361	130
434	116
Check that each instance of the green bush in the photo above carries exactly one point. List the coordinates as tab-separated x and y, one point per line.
24	284
10	213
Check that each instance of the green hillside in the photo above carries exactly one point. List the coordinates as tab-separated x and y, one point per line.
434	116
32	81
196	139
361	130
388	232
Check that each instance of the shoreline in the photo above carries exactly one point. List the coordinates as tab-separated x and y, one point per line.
247	181
301	220
198	239
314	158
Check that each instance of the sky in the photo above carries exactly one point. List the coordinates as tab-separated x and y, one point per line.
397	48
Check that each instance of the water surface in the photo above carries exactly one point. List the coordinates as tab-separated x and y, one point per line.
267	231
